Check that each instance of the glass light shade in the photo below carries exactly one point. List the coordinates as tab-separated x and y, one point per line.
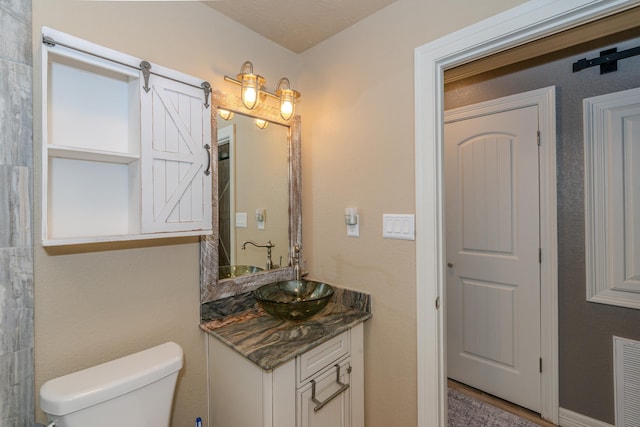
287	99
226	114
262	124
250	93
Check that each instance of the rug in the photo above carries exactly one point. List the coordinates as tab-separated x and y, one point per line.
465	411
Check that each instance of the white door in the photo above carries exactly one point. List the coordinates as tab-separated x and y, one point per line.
176	157
492	239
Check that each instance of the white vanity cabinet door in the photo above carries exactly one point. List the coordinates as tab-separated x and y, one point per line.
326	399
242	394
319	364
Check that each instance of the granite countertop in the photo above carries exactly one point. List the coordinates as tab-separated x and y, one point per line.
268	342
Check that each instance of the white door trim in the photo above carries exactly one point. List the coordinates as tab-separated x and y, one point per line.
527	22
544	99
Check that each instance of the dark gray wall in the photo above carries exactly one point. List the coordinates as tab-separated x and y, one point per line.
586	329
16	247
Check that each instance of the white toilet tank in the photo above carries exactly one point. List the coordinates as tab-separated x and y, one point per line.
133	391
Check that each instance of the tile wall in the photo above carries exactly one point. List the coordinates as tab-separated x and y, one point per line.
16	241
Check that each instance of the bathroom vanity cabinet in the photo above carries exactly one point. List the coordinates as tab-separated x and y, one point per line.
322	387
126	146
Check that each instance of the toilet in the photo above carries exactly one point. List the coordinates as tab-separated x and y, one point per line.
133	391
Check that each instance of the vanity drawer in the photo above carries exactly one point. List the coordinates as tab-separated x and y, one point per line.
322	356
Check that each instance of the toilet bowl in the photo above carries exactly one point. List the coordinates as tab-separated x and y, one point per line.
133	391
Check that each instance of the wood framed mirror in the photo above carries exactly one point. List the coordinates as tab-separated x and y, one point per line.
256	179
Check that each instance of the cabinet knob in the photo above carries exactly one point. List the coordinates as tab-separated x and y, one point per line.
450	264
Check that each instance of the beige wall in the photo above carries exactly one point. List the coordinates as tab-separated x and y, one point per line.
94	304
357	151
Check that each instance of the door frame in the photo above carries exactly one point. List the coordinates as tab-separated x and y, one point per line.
545	100
530	21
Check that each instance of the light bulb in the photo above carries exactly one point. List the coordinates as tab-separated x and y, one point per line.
286	109
251	85
249	96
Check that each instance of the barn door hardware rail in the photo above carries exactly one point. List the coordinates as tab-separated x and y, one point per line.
608	60
144	67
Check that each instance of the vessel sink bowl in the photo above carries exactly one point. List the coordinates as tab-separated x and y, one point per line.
293	299
231	271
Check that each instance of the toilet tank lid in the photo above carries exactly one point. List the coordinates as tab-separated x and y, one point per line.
81	389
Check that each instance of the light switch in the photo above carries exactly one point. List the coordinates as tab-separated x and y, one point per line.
398	226
241	220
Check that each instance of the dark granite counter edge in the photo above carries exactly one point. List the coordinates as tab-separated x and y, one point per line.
242	325
270	363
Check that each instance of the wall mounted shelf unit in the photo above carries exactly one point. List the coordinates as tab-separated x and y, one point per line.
125	151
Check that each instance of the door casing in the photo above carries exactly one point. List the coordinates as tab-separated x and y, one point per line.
530	21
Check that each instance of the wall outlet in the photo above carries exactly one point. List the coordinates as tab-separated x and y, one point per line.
353	230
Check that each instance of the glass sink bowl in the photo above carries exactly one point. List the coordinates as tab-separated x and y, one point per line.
231	271
293	299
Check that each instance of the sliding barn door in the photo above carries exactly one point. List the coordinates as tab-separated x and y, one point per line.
176	162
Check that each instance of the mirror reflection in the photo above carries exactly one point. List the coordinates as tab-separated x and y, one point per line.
253	192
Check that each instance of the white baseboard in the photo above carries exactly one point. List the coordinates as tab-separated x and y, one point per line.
573	419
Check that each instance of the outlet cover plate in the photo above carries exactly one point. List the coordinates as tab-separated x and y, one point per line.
241	220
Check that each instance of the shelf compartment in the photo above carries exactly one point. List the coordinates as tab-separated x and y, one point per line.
92	199
92	107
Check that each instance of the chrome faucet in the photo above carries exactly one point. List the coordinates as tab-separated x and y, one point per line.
296	262
269	245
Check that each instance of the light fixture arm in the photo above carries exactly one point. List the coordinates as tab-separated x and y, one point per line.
239	83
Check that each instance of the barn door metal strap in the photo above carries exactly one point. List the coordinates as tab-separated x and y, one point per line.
608	60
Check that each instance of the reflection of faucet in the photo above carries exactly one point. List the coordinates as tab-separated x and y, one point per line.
269	245
296	261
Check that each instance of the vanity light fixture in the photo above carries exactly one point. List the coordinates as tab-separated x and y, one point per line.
287	97
225	114
262	124
253	91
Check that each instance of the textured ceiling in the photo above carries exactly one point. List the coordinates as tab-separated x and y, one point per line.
297	24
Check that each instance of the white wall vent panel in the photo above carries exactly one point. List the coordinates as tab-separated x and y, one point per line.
626	367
